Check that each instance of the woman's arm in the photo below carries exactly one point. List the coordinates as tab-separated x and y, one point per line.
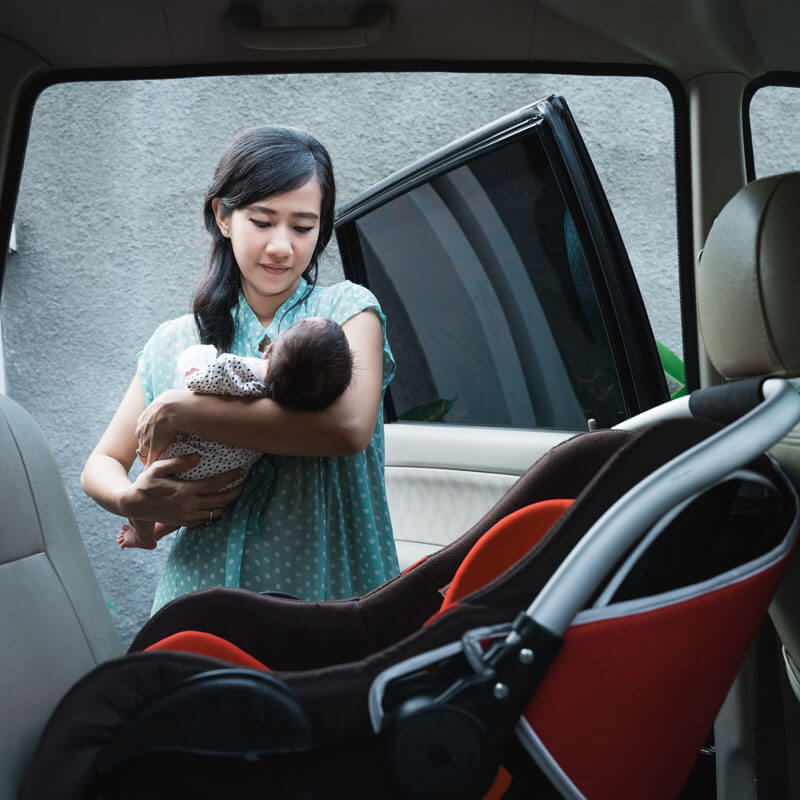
155	494
344	428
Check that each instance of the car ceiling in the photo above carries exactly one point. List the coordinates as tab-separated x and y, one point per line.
686	37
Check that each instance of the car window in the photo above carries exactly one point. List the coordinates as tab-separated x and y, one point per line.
110	242
109	203
773	112
491	307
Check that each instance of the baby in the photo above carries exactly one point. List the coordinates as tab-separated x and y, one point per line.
306	368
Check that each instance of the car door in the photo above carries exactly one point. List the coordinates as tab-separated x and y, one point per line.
512	312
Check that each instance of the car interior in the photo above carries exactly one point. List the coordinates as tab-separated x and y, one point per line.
560	342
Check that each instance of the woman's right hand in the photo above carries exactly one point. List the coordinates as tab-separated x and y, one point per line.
157	495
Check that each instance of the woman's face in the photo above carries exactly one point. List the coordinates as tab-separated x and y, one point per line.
273	240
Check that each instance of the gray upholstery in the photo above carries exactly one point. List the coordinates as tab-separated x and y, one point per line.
748	295
748	284
54	623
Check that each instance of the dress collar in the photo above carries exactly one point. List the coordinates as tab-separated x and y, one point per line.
248	327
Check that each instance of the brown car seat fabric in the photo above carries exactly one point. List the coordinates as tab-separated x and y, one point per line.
313	635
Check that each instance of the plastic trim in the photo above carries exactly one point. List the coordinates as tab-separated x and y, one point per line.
377	690
674	409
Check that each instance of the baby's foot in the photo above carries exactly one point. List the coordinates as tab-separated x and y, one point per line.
130	536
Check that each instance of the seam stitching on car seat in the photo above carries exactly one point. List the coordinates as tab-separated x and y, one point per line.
765	322
365	627
36	510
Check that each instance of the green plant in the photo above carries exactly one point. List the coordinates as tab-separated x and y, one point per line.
428	412
673	368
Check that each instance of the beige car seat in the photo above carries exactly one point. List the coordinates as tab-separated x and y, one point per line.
748	301
54	623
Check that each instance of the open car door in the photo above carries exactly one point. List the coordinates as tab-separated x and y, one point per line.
512	312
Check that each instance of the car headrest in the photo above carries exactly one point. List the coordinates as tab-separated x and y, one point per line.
748	281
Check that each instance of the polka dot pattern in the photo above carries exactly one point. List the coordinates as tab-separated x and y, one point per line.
229	375
316	527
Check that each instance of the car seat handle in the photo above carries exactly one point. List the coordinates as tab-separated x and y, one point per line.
727	402
622	525
724	404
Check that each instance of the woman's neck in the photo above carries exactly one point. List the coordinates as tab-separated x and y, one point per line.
265	306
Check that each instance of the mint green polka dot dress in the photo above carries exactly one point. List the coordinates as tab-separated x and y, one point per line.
316	527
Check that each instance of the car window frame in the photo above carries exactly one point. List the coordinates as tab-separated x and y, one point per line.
775	78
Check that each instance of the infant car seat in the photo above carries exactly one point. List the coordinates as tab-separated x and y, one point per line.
582	648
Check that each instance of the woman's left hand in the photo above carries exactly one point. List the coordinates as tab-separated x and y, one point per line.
159	424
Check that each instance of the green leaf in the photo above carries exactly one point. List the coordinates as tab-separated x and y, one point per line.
673	367
671	364
111	605
428	412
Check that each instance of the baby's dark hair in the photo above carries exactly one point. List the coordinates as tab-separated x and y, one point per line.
310	365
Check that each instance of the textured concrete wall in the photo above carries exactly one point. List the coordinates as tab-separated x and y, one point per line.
110	239
774	120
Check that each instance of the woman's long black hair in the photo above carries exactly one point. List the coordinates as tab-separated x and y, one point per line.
258	163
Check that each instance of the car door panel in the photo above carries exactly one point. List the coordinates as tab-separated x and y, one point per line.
440	480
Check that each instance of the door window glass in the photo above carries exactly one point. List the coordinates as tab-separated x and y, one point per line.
491	309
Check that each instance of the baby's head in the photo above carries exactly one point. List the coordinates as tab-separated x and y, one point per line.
310	365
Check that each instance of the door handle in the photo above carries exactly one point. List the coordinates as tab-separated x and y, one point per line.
373	22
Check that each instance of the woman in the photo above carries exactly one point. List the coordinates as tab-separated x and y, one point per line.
312	518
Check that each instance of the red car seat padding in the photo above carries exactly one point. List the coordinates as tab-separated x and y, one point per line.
206	644
500	785
623	678
502	546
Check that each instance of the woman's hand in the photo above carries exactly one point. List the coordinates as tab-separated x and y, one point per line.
159	424
157	495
